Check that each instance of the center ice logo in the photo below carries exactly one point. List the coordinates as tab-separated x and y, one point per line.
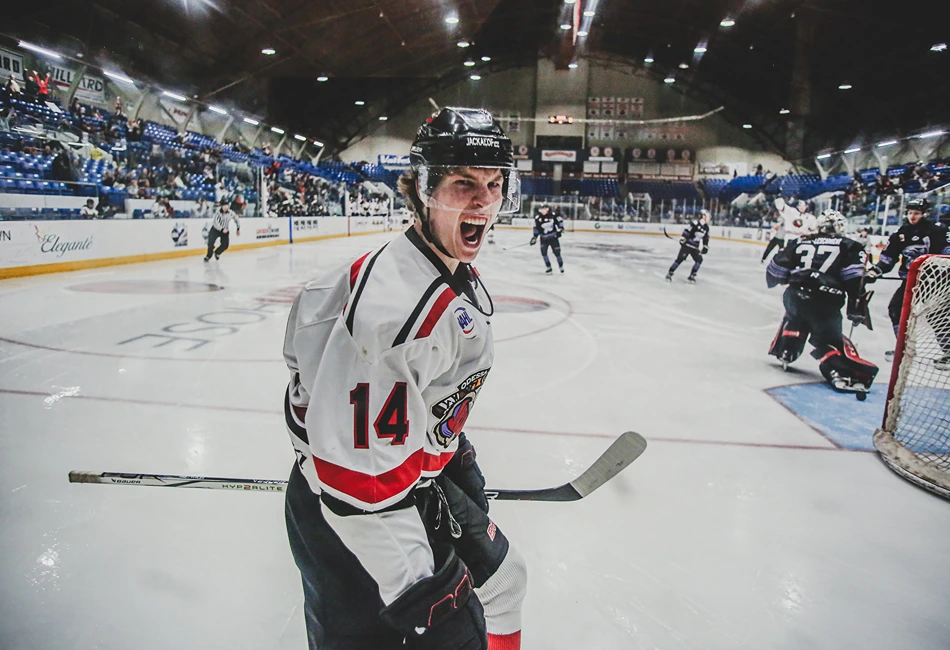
466	322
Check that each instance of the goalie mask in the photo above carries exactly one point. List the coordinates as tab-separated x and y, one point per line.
832	222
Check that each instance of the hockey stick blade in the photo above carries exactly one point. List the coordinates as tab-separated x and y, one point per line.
667	234
624	450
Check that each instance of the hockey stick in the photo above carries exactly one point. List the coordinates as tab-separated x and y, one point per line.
623	451
507	248
667	234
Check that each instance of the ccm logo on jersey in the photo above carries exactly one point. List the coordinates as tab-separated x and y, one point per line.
466	322
480	141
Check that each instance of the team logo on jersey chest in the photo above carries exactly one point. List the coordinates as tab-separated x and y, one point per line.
465	321
452	411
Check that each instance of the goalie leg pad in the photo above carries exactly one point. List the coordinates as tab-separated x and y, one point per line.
790	339
844	362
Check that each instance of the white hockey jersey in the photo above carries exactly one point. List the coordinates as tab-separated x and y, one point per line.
386	358
798	224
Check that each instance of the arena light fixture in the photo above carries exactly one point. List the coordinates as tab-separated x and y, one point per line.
746	126
40	50
118	77
727	22
486	59
452	20
845	86
318	144
572	65
174	96
938	47
931	134
683	66
383	118
886	143
302	138
853	150
700	49
475	77
469	63
269	51
823	156
277	131
323	78
582	33
360	102
565	26
463	43
784	111
250	121
218	110
649	60
670	79
569	2
589	13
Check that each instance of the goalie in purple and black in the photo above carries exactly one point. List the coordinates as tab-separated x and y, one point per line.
694	243
824	271
548	226
918	236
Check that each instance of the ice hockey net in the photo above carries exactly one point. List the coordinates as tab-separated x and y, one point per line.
914	439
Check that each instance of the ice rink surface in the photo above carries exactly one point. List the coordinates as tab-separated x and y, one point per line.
741	527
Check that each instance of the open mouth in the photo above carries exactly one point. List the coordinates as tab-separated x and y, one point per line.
472	229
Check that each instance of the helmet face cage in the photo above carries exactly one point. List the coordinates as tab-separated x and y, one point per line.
508	200
832	222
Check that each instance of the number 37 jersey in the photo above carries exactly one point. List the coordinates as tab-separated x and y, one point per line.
836	261
387	357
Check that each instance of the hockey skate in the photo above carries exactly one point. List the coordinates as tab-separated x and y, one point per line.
549	271
669	277
562	269
691	279
845	385
943	363
889	355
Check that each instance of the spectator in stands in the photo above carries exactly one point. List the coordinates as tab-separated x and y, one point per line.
12	87
7	118
118	106
89	211
202	208
42	86
30	89
62	167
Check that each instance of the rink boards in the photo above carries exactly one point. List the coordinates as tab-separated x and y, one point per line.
35	247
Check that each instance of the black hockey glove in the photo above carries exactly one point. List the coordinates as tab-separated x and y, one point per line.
534	240
682	241
441	612
705	249
874	273
464	472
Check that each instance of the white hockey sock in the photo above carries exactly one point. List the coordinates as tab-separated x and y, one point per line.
503	593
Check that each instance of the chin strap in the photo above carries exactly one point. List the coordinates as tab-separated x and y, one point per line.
427	233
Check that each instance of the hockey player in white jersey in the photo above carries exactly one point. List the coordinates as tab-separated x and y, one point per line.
386	512
798	221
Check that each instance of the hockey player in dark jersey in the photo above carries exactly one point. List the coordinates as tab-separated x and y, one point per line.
548	226
918	236
823	271
694	243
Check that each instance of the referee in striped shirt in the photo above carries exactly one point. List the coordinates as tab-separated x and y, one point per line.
219	228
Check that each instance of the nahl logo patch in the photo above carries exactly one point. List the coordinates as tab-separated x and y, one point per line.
452	411
465	321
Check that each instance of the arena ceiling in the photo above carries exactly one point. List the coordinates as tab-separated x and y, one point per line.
779	55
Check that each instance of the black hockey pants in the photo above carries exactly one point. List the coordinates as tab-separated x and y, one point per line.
341	600
213	235
775	242
556	247
688	251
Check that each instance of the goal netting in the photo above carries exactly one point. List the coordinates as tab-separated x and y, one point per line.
914	440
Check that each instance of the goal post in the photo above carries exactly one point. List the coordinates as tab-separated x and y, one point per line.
914	438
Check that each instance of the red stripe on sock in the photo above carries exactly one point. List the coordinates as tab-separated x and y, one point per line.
505	641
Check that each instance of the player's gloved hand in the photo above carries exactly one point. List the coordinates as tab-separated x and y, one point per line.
238	233
874	273
534	240
682	241
441	612
705	249
464	472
